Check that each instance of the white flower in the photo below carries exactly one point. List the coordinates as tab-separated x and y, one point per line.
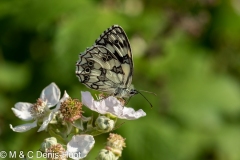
111	105
41	111
79	146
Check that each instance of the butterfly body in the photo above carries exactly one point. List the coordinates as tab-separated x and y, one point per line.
107	66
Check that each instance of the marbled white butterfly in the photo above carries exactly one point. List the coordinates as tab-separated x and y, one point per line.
107	66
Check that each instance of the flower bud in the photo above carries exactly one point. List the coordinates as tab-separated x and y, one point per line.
106	155
104	124
48	142
54	150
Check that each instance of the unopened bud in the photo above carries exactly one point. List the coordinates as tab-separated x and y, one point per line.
104	124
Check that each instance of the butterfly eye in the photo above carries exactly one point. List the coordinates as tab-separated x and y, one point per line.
116	41
133	92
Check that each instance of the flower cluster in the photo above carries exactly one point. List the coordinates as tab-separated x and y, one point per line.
65	121
113	149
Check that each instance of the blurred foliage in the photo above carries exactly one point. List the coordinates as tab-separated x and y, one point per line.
185	51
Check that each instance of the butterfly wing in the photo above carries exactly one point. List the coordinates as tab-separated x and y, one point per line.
116	41
99	69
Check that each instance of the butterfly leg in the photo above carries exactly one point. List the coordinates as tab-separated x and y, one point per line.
102	96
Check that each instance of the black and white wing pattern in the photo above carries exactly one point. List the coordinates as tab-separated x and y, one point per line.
116	41
107	66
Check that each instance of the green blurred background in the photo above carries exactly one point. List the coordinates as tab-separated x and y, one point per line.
186	51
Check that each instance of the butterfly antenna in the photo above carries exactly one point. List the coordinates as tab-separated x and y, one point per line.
148	92
118	126
146	99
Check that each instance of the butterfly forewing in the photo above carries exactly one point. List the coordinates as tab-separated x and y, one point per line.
115	39
107	66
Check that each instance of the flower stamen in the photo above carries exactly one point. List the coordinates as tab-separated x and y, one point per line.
56	152
71	109
38	109
115	144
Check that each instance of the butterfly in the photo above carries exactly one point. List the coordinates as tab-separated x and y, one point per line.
107	66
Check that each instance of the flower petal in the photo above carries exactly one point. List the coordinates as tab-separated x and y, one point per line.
22	111
98	106
131	114
51	93
24	127
79	146
122	112
111	105
65	96
46	121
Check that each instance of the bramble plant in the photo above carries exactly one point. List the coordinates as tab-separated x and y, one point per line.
72	133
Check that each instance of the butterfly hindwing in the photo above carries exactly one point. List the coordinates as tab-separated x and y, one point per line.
116	41
99	69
